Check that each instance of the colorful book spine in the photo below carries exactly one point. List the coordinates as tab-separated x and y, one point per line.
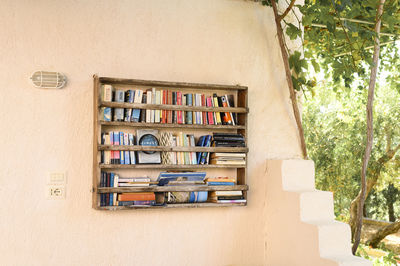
126	153
119	112
136	112
121	142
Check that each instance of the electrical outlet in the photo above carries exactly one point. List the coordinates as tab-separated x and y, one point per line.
55	192
56	178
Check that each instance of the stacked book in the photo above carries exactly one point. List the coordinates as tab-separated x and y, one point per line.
228	140
183	179
135	182
227	197
228	158
221	181
118	157
166	97
183	140
136	198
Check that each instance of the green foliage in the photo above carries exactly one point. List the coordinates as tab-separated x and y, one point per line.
334	122
387	260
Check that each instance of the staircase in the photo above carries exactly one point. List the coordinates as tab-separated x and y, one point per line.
301	229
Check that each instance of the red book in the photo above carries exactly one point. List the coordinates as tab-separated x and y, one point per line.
210	114
169	112
179	102
136	196
227	117
203	114
164	112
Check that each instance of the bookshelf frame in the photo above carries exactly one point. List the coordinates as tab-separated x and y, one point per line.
241	111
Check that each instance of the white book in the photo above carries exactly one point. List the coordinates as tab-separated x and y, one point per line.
157	114
131	153
148	111
115	185
153	101
107	93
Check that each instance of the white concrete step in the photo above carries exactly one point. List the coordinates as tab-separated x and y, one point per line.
297	175
350	261
316	205
334	238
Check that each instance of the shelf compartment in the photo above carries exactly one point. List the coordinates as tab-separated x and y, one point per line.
173	107
168	84
170	189
178	205
168	166
171	148
175	126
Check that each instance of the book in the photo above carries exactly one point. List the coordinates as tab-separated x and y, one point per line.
115	184
149	101
228	154
134	179
231	103
106	96
163	101
204	155
129	96
217	114
137	203
131	142
232	201
221	183
122	153
126	153
119	112
227	115
220	180
157	114
189	114
143	112
228	193
153	101
117	158
136	112
210	115
134	196
200	143
227	162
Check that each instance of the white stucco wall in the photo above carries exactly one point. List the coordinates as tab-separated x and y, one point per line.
225	42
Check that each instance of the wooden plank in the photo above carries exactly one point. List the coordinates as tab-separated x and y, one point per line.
169	84
181	205
168	166
171	188
96	130
174	126
173	107
171	148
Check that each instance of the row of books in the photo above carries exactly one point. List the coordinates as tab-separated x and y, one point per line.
118	157
167	97
233	196
167	179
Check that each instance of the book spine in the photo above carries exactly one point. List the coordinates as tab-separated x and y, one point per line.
217	114
179	102
210	115
126	153
132	153
157	114
149	101
164	101
119	112
116	153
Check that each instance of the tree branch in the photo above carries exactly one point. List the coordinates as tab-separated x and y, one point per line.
287	10
289	80
370	136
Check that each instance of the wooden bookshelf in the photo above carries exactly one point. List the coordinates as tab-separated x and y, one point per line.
241	110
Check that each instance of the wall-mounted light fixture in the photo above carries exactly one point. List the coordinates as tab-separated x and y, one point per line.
48	80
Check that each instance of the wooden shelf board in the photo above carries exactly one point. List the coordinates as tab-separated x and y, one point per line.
175	126
181	205
173	107
171	148
168	166
170	189
169	84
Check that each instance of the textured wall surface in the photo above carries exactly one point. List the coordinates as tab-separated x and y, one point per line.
225	42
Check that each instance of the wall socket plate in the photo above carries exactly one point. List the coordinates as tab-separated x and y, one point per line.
55	192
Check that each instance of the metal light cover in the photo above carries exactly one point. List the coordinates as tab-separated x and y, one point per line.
48	80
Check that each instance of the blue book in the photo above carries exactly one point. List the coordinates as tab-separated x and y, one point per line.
121	142
102	195
165	177
136	112
220	183
111	185
189	102
119	112
200	143
204	156
198	196
116	142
